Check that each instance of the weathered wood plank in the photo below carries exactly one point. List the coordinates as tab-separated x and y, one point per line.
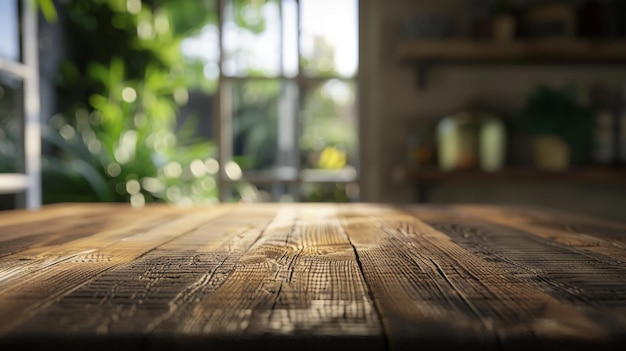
571	225
155	290
81	243
432	292
231	276
32	285
604	241
591	281
310	277
299	278
17	216
67	224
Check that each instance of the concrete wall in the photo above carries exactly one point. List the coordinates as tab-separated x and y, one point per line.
392	105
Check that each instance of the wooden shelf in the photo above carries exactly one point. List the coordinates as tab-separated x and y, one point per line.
557	50
597	175
424	53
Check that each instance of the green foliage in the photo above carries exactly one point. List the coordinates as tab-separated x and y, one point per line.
558	112
47	9
10	124
186	15
256	122
326	192
120	91
249	14
8	145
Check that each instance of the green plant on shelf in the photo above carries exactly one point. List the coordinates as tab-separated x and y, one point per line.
557	111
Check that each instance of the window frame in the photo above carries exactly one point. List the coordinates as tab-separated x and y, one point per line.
303	83
26	182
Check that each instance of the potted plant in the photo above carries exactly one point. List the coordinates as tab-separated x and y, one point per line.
559	125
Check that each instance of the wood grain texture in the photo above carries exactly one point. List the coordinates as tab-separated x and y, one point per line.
17	233
300	277
578	269
310	276
433	292
34	279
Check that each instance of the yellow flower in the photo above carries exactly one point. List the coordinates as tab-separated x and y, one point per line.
332	158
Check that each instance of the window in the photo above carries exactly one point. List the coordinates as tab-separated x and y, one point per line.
285	73
19	104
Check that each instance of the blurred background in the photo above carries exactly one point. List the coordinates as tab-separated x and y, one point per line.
194	102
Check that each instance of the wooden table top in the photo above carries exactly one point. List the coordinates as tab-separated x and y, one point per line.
310	276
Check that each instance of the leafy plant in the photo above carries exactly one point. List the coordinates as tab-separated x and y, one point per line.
120	90
558	112
125	150
10	124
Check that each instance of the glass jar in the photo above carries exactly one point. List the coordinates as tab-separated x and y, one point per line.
471	141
